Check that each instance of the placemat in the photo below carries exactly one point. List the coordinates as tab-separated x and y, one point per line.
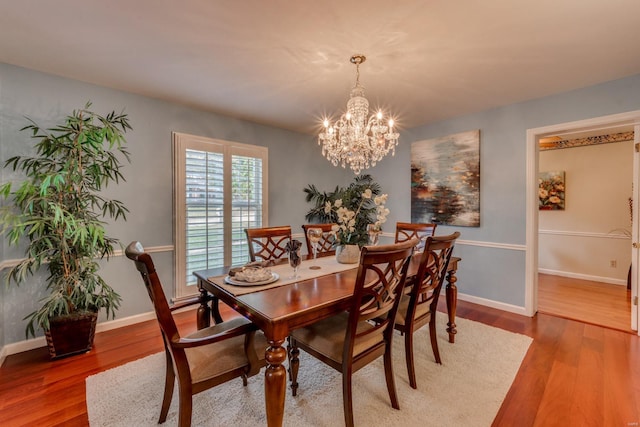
328	265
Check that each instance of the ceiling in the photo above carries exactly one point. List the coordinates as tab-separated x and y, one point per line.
286	63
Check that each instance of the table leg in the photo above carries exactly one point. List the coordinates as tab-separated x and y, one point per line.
452	301
275	378
215	310
203	317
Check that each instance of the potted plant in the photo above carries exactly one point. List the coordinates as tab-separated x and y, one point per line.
58	211
358	211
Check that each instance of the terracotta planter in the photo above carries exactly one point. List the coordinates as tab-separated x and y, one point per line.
348	254
72	334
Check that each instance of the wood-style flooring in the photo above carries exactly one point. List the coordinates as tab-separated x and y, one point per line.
574	374
598	303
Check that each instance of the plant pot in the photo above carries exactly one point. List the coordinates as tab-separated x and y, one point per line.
71	334
348	254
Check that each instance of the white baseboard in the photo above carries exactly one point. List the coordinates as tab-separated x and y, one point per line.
20	346
493	304
609	280
125	321
3	354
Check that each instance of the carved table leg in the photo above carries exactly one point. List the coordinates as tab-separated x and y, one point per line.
204	312
215	310
294	363
275	378
452	301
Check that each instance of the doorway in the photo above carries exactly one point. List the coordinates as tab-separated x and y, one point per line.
533	137
584	225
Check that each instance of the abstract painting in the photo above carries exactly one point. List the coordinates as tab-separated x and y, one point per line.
445	180
551	189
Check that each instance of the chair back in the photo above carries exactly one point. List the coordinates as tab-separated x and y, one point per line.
379	284
326	243
268	243
431	273
145	266
409	230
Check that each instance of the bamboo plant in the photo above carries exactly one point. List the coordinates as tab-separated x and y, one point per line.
58	211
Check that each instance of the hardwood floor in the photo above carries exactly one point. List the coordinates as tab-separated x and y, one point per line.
590	302
575	374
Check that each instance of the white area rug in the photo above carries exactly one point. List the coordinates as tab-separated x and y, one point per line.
466	390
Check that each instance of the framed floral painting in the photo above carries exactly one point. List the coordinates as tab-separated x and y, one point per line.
551	189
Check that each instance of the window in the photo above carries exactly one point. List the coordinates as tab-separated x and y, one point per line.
220	189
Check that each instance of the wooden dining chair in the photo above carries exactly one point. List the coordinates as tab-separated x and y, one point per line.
203	359
351	340
418	307
326	243
268	243
409	230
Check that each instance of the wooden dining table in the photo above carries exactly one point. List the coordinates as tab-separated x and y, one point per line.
280	309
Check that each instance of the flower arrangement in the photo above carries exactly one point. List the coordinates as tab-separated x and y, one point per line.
353	209
551	191
348	229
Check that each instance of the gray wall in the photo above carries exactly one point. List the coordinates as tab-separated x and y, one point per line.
294	161
493	264
496	273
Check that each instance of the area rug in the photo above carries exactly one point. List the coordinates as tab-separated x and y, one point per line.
466	390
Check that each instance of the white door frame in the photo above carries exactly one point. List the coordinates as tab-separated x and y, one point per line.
531	251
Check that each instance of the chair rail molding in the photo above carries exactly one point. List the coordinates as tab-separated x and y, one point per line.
117	253
610	235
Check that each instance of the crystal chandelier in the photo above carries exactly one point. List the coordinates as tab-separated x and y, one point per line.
358	139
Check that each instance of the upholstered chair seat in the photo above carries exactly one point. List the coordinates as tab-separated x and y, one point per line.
327	336
227	357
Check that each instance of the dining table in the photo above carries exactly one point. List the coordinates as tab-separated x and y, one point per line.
287	303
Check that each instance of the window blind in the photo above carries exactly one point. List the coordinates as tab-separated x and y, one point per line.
220	191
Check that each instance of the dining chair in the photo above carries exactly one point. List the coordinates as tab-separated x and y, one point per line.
203	359
268	243
418	307
351	340
409	230
326	242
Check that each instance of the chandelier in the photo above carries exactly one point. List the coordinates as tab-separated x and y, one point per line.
358	139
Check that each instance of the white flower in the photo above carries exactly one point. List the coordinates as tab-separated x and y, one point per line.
347	220
381	199
343	214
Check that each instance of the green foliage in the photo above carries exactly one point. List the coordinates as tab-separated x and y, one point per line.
59	210
351	197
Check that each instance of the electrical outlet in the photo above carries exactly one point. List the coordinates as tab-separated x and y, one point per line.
613	263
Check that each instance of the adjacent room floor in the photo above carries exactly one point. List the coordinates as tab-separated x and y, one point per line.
597	303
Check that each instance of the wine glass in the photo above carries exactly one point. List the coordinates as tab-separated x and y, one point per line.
374	232
314	235
295	261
